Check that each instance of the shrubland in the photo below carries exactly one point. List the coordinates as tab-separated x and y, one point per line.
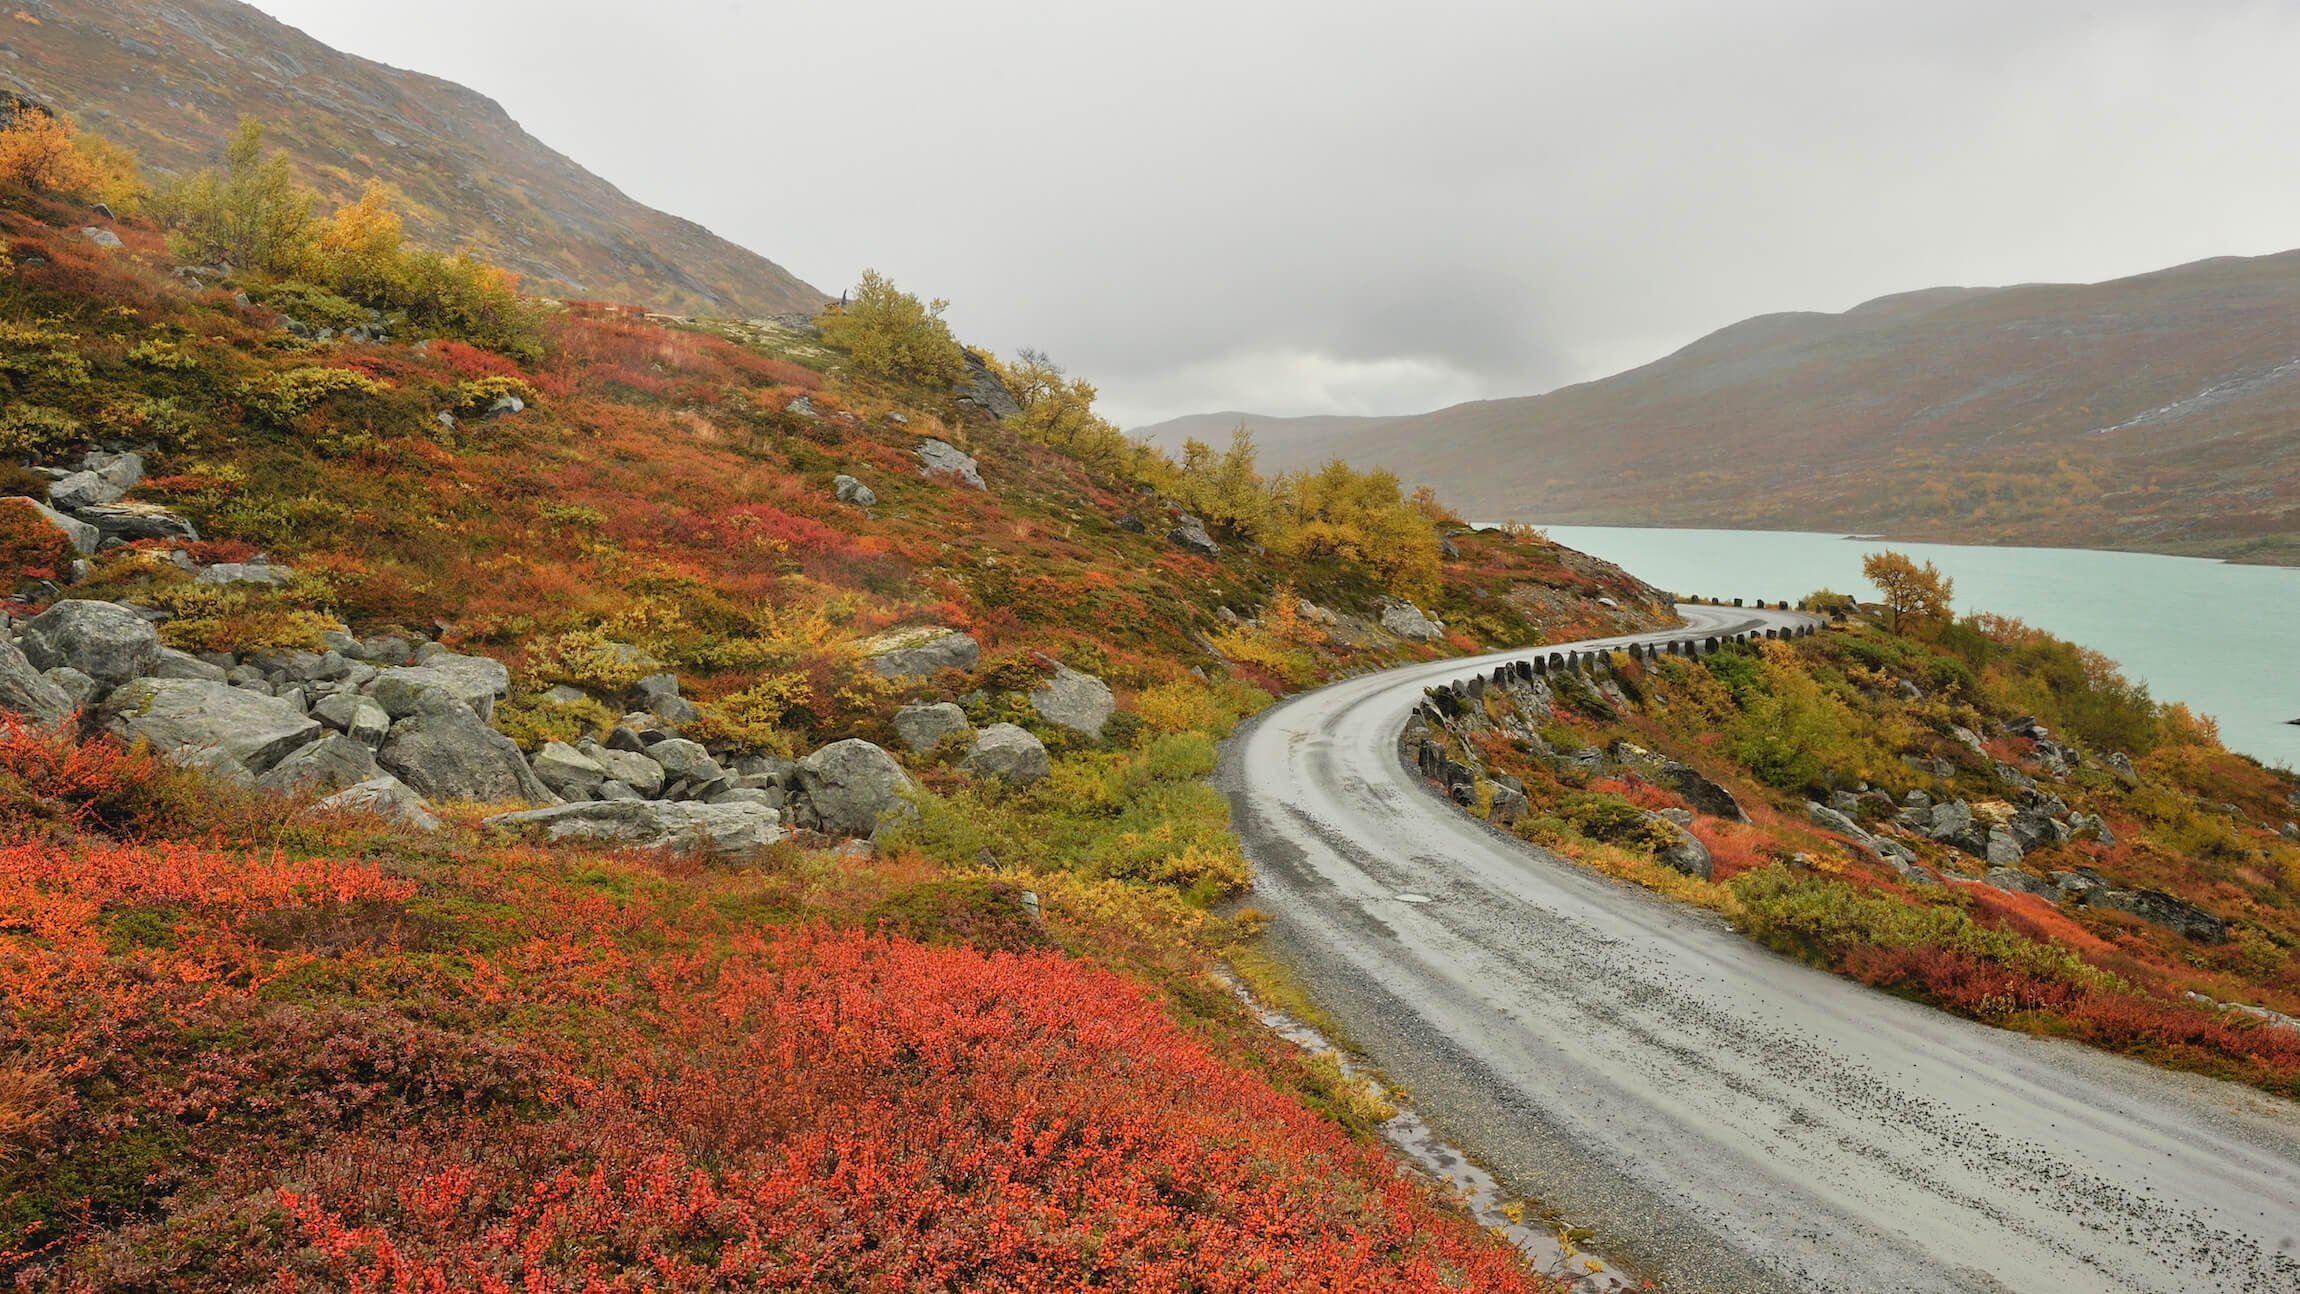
257	1045
2126	881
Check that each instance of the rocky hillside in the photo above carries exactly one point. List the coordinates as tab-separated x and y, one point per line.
2160	412
170	78
674	759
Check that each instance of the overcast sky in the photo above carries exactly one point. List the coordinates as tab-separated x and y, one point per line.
1351	206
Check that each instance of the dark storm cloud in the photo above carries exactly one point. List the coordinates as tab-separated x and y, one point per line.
1351	206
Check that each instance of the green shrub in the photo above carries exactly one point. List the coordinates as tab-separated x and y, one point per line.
33	429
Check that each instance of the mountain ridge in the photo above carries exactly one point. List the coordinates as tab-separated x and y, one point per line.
2158	411
170	80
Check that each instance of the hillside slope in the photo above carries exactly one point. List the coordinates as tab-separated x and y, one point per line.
169	80
2159	412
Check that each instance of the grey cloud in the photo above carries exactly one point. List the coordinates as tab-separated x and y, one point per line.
1347	204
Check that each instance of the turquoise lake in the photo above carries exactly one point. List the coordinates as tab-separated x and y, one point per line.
2223	639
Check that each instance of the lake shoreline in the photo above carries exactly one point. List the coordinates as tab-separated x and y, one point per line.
2209	633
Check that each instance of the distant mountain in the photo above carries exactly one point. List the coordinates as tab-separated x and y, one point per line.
170	80
2159	412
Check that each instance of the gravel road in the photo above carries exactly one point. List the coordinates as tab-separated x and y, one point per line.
1724	1118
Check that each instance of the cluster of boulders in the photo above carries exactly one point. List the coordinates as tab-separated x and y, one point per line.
88	503
1524	699
1439	740
1066	698
395	724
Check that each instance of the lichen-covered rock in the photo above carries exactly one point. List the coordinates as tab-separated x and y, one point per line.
2158	908
85	538
641	773
729	827
138	521
920	653
332	763
246	573
454	755
108	643
186	714
1684	852
26	692
1009	754
855	789
850	490
569	771
355	716
171	663
385	797
1189	534
924	727
1407	621
941	458
1074	700
1699	791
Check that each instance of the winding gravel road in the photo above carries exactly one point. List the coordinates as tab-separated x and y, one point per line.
1722	1117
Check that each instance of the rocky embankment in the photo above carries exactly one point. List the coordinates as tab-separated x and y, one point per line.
1924	841
396	725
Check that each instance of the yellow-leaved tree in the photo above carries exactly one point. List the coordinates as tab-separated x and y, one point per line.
887	333
1916	596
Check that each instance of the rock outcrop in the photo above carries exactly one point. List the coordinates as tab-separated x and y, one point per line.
182	716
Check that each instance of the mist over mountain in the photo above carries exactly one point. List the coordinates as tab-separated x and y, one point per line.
2157	412
171	80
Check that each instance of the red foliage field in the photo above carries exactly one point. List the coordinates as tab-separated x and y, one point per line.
340	1061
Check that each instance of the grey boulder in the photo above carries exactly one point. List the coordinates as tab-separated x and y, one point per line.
176	664
1189	535
924	727
138	521
1407	621
108	643
921	653
569	771
384	797
454	755
84	490
1009	754
1684	853
941	458
25	691
85	538
1074	700
355	716
850	490
245	573
729	827
855	789
640	773
187	714
333	763
1704	795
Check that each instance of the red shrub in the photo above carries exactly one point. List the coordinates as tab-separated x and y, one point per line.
30	547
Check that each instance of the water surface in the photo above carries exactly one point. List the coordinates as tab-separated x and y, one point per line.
2224	639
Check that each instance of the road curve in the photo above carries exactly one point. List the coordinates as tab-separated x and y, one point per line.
1723	1117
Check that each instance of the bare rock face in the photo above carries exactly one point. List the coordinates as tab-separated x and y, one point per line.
853	788
108	643
731	827
180	716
